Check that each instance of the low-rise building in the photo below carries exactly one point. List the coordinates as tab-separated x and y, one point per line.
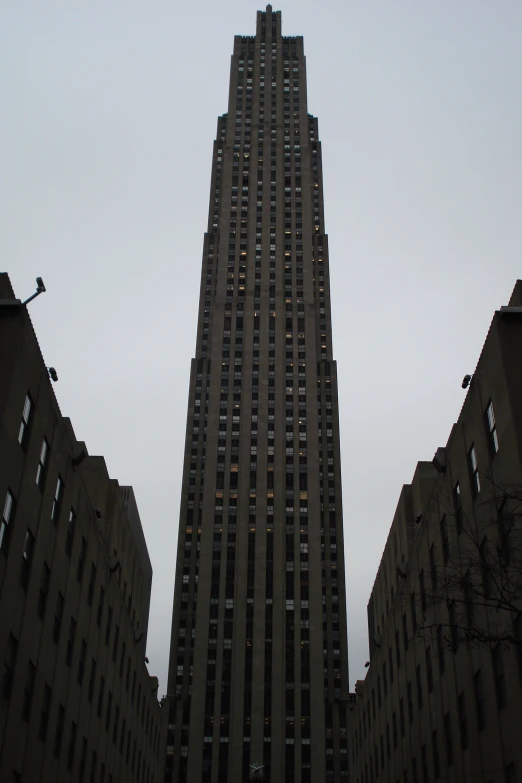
442	698
76	700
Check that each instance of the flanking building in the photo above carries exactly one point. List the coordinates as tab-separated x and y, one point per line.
76	700
442	698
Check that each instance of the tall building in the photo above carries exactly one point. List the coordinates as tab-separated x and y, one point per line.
442	697
76	700
258	675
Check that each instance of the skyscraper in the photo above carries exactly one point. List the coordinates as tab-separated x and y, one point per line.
258	675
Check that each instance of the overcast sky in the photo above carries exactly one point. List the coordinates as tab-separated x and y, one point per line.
109	111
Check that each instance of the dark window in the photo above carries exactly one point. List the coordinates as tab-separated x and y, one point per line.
27	558
44	590
92	678
510	774
413	612
440	649
58	614
23	432
422	590
480	705
71	524
92	582
429	670
81	560
72	745
101	600
28	691
448	739
83	759
405	630
59	731
463	722
397	649
70	641
491	428
419	687
100	696
436	759
44	715
433	567
81	662
43	462
485	567
445	539
7	518
9	665
108	626
499	675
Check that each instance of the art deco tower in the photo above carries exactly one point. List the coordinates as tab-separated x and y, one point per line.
258	670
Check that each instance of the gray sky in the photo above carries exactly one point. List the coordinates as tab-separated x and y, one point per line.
109	111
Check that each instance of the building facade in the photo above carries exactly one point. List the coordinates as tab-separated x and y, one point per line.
76	700
258	661
442	698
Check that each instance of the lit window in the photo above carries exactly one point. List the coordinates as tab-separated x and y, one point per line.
42	464
473	470
491	428
6	518
58	494
23	433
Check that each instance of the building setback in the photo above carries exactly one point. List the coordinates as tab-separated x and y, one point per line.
76	700
258	661
442	698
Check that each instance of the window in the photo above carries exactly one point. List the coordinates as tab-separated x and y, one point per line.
81	662
429	670
440	649
44	715
108	626
485	568
7	517
23	433
480	706
81	560
92	679
499	675
436	759
473	471
405	630
9	665
101	600
433	567
59	731
448	739
43	462
57	502
457	506
44	590
71	523
70	641
57	625
419	687
413	612
491	428
28	691
422	590
445	539
92	581
463	723
72	745
510	774
27	558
